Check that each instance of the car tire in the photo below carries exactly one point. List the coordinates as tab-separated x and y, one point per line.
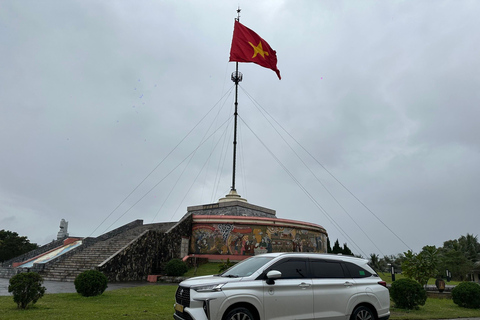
362	313
239	313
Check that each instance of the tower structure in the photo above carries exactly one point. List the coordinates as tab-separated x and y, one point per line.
233	227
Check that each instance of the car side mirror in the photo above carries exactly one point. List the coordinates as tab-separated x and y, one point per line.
272	275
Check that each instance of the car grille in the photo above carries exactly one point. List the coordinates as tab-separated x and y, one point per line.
182	296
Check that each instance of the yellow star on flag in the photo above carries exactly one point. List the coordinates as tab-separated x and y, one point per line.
258	50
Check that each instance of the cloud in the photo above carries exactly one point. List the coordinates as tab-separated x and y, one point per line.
96	95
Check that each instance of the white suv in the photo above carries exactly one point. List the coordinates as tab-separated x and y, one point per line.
286	286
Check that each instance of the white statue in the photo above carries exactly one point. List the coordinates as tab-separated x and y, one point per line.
63	230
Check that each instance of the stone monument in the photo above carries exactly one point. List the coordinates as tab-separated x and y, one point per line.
63	232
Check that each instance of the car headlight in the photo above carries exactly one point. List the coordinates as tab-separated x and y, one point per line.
209	288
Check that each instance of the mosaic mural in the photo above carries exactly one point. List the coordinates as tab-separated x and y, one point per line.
251	240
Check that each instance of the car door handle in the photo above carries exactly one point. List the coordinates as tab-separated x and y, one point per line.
348	284
304	285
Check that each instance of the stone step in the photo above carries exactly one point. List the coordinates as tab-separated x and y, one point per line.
66	270
87	257
65	279
64	273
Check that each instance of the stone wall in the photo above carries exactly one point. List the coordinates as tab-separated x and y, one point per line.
146	254
119	230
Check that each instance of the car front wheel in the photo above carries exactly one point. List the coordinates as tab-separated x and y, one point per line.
362	313
239	314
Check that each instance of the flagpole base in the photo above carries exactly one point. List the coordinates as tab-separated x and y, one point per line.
232	196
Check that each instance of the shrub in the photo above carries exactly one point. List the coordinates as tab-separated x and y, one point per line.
467	295
408	294
26	288
175	268
91	283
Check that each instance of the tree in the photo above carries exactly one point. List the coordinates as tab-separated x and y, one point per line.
459	256
336	248
394	261
329	246
456	262
422	266
12	245
346	250
343	250
470	247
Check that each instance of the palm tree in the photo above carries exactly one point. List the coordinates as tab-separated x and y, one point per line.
470	247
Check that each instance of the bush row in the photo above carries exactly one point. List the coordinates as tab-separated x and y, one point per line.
409	294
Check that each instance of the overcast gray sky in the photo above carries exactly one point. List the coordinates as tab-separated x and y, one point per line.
383	94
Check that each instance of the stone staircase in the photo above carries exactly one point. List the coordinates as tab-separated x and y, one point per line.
90	257
7	272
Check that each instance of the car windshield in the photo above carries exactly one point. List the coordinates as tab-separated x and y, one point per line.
246	267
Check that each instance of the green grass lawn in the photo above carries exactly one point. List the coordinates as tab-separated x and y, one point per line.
147	302
204	269
156	302
435	309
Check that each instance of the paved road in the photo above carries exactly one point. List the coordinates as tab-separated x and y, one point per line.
69	287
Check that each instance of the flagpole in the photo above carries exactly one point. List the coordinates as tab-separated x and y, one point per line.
263	55
236	78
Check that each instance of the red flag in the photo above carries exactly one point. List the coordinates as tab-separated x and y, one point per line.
247	46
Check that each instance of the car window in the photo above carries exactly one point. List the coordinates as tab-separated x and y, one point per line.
246	267
357	271
326	269
291	268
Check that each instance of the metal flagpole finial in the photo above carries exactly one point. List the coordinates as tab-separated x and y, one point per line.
238	13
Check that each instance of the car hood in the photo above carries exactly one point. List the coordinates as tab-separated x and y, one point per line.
206	280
